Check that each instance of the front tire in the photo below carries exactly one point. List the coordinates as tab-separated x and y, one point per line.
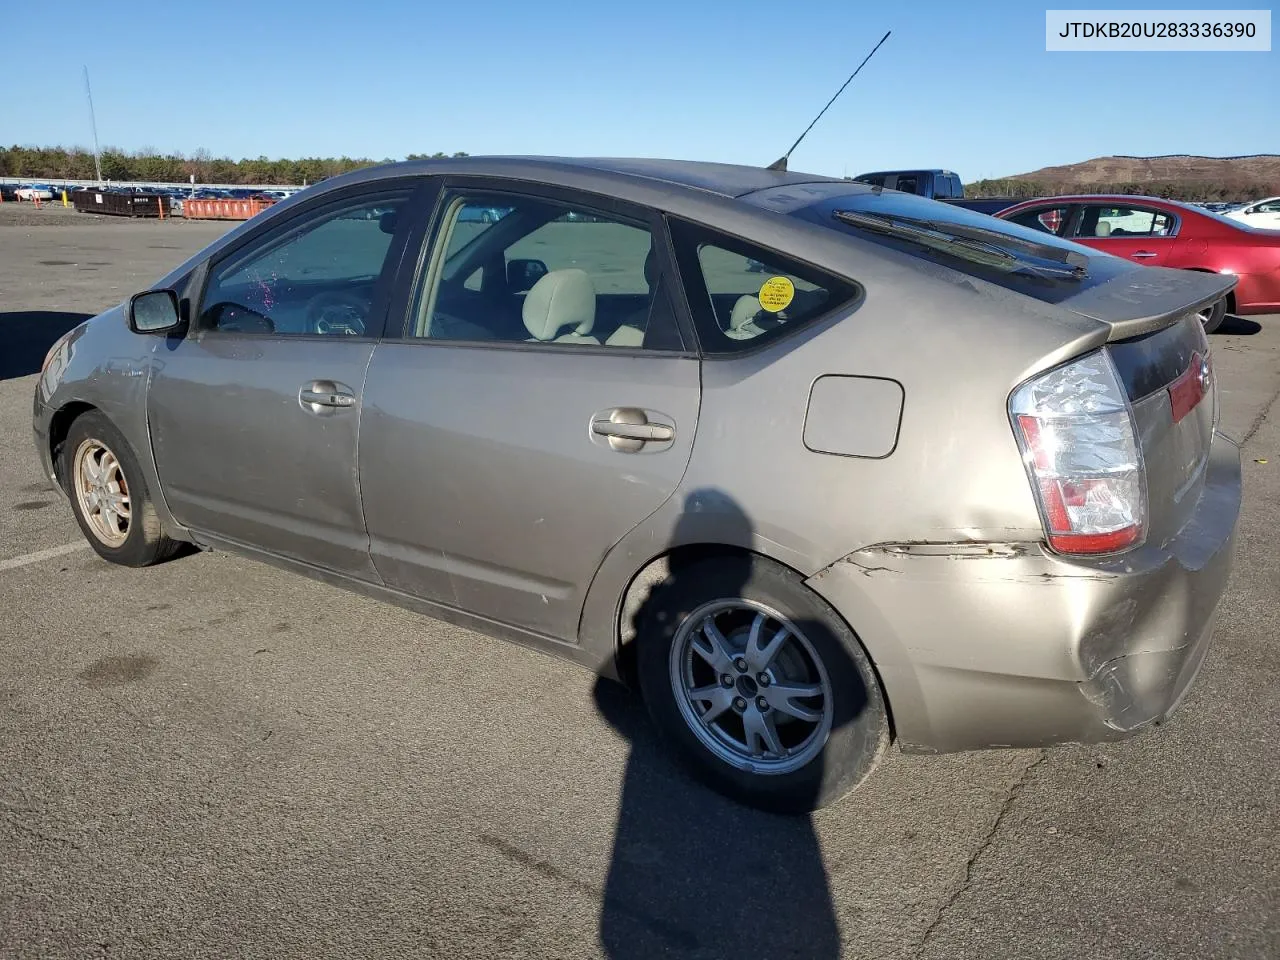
109	495
759	684
1211	317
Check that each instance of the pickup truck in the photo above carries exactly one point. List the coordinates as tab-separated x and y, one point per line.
936	185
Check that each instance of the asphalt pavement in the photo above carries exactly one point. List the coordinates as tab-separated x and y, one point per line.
214	758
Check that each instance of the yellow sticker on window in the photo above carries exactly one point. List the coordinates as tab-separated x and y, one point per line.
776	294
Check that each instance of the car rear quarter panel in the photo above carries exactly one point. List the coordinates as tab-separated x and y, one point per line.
957	346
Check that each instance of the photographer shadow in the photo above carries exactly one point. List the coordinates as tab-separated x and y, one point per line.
694	874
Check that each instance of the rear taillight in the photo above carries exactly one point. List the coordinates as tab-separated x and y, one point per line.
1081	453
1209	384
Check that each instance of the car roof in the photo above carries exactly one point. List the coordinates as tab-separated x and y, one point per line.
1119	200
723	179
877	173
1116	198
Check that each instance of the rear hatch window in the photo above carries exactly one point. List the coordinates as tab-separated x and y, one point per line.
1035	273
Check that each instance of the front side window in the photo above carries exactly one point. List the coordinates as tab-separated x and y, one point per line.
744	293
536	270
313	277
906	184
1047	219
1101	222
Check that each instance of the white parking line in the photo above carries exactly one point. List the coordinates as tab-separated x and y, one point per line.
41	555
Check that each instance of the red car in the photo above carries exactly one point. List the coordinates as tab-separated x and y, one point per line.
1166	233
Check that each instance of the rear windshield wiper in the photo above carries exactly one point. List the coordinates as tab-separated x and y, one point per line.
979	244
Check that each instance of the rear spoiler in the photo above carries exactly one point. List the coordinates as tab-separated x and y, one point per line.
1146	299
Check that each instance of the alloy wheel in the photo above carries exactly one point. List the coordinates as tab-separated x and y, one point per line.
102	492
751	686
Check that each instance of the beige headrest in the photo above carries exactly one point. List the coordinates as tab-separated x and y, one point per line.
563	298
744	311
1103	229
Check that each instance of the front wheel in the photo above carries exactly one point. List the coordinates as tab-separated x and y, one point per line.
109	495
1211	317
760	685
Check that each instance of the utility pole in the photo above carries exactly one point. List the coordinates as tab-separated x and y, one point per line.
97	157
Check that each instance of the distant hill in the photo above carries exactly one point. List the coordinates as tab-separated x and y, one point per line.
1178	176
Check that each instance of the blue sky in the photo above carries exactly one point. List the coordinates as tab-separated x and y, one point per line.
965	86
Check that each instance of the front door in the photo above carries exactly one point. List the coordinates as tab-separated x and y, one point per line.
1142	234
254	413
540	405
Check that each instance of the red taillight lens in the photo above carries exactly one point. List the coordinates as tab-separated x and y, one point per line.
1189	389
1081	453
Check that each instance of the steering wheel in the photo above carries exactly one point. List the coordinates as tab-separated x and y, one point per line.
337	313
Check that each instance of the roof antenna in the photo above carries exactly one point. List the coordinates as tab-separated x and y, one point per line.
781	163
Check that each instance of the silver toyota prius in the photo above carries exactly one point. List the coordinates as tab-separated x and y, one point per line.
812	464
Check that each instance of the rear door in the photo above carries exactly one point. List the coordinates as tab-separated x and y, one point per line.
1139	233
540	403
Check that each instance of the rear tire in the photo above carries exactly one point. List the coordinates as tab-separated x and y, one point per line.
109	495
1211	317
830	741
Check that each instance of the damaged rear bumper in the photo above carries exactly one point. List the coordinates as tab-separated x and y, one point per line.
1007	645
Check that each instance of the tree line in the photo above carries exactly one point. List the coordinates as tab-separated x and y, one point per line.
1168	189
62	163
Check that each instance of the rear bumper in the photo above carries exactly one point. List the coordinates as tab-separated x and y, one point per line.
1007	645
1258	293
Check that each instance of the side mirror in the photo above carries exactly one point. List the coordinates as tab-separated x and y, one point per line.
523	274
155	311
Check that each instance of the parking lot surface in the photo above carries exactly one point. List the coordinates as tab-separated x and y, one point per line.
214	758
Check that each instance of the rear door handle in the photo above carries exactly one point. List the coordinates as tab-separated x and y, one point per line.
628	429
322	396
1142	255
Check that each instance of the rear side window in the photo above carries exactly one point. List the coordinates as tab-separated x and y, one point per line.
742	294
907	184
529	269
1099	222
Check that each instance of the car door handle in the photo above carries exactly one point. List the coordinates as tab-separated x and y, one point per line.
1142	255
326	398
628	429
325	394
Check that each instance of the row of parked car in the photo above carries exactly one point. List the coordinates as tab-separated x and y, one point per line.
176	194
1242	240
